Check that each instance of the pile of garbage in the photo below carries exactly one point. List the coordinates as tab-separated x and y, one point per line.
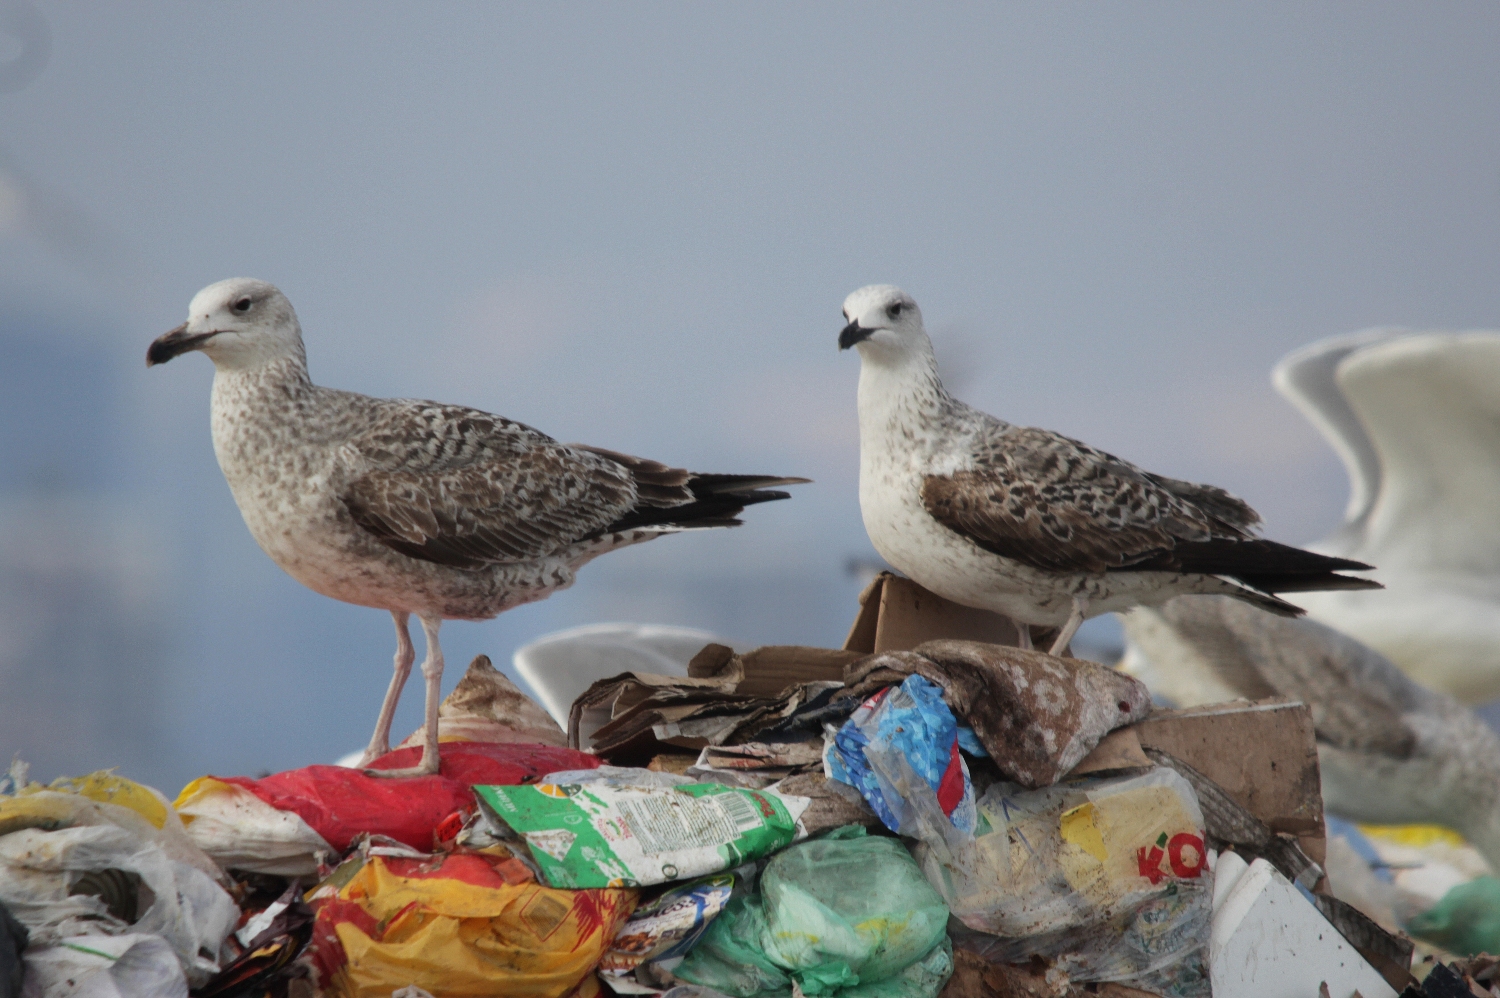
928	811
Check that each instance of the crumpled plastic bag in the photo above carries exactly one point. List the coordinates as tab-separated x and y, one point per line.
1106	877
102	855
99	966
847	914
323	809
40	870
911	719
242	832
461	925
104	798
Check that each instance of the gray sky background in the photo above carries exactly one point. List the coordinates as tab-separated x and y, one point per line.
633	225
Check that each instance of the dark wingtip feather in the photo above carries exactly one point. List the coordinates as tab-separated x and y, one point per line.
724	484
1329	582
1269	603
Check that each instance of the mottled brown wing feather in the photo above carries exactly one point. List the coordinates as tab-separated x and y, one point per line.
1062	506
464	488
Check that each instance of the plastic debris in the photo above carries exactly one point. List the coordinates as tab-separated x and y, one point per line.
847	914
1107	878
665	928
1268	940
1466	921
910	719
562	665
1057	838
131	965
462	925
266	945
605	834
104	856
338	804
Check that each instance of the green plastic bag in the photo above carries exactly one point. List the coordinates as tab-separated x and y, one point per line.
1466	921
847	914
599	835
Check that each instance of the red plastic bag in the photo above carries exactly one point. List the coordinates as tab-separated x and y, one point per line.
341	803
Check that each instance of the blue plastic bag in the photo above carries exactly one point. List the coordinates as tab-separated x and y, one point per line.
912	720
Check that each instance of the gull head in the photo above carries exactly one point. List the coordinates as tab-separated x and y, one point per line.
884	323
240	323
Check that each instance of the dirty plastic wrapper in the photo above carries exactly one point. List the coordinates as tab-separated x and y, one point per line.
460	925
99	966
598	835
1106	877
911	719
123	844
668	926
847	914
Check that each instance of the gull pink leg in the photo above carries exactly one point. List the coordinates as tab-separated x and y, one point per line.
380	742
1075	620
432	673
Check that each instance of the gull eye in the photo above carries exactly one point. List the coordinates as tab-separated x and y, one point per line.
894	311
243	305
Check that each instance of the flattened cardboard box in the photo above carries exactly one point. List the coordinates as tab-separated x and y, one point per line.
896	614
1264	754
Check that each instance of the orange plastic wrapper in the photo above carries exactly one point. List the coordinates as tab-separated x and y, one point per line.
459	925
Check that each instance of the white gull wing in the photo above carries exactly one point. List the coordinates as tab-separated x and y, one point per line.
1307	378
1422	409
1431	405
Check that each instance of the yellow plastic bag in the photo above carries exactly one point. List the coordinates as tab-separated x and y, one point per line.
461	925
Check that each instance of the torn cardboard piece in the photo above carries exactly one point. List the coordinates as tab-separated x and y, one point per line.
1120	749
771	670
611	699
1263	754
896	614
726	698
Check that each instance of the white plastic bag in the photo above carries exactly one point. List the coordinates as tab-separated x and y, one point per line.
181	903
243	832
98	966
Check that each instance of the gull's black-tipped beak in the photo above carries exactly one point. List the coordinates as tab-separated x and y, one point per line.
173	342
852	334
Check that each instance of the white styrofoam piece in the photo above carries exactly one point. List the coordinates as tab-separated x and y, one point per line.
560	666
1227	872
1268	941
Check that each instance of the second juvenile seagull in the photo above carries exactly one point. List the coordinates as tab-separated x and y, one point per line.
1030	523
416	507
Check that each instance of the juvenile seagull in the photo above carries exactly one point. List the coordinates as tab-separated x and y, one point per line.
1032	524
415	507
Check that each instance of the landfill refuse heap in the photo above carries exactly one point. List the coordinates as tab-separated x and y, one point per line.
928	811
